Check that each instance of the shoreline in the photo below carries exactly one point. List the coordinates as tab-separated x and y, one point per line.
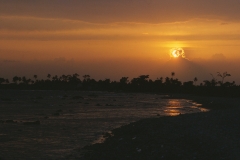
53	124
205	135
48	124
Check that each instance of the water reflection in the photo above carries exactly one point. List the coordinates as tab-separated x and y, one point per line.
176	107
172	108
72	119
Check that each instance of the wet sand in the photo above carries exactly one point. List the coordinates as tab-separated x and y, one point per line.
56	124
208	135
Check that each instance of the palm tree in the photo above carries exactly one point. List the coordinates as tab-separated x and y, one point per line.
6	81
76	75
35	77
63	78
2	80
15	79
107	81
24	79
55	78
173	74
124	80
167	81
225	74
86	77
159	81
19	79
49	76
195	80
143	79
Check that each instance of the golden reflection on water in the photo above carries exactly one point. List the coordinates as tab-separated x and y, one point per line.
204	109
173	112
175	108
197	104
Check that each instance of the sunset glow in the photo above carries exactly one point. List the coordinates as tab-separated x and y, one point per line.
177	52
101	79
92	34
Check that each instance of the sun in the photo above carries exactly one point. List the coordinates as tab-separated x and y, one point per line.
177	52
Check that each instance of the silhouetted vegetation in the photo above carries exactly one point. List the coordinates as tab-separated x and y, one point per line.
142	83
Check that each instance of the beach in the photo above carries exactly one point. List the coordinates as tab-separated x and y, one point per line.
108	125
208	135
48	124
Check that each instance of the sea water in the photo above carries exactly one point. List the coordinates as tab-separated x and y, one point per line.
69	120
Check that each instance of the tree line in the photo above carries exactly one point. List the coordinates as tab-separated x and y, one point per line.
141	83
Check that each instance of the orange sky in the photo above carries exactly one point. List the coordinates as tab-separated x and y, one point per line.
91	34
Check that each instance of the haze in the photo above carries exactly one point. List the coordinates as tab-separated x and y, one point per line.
112	39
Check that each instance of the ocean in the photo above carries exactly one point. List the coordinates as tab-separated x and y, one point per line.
53	124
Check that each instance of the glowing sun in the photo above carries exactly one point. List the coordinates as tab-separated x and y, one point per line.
177	52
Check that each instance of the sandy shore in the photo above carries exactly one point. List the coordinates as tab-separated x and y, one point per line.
57	124
46	124
209	135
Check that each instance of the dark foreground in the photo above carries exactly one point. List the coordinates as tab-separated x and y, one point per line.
46	124
209	135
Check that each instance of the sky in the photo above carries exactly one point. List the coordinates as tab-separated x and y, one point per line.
114	39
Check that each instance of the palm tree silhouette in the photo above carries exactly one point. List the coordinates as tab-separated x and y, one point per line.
49	76
35	77
55	78
173	74
195	80
15	79
124	80
2	80
6	81
19	79
24	79
86	77
225	74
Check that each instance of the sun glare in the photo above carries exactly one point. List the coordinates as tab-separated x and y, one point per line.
177	52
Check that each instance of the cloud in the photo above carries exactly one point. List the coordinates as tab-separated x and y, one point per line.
47	29
29	23
218	57
107	11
